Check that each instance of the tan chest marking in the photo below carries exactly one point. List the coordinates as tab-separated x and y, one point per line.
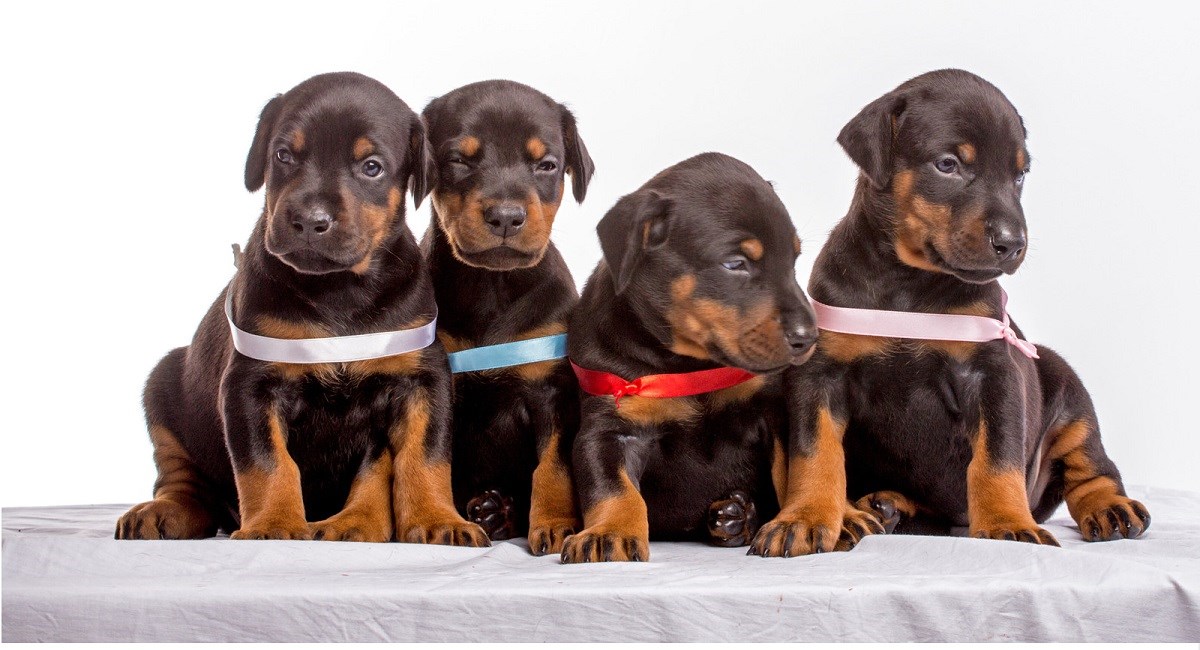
401	364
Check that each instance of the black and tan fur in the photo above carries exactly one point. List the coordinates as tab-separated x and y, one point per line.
503	153
697	273
348	451
971	434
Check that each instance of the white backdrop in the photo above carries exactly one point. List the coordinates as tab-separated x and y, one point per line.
125	129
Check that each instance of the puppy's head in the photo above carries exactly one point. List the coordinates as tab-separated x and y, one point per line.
336	154
705	255
502	149
949	149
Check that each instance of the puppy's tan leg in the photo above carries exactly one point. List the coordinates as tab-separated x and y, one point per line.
616	529
269	494
180	508
997	504
423	504
552	513
814	509
367	516
1095	497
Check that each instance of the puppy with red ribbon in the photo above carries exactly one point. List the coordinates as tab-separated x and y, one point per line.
923	401
678	341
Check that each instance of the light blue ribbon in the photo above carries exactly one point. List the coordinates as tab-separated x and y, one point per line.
503	355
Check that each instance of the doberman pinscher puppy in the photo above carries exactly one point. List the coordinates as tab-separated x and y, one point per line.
502	150
359	448
973	434
697	275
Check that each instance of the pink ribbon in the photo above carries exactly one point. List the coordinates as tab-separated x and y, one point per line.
913	325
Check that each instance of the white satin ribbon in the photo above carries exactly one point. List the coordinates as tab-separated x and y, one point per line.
333	349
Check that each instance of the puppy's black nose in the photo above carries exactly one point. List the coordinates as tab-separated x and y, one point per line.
802	339
316	221
1008	244
505	219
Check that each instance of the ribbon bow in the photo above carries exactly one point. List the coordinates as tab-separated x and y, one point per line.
683	384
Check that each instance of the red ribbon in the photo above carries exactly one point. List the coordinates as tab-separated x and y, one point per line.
683	384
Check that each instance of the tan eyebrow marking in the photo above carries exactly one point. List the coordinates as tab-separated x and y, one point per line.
536	148
363	148
297	140
966	151
469	145
753	249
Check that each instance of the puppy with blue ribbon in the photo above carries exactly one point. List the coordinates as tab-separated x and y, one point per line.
504	294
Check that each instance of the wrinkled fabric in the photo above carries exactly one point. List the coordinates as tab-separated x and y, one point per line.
66	579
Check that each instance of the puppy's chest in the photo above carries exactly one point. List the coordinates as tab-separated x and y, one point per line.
506	390
734	413
915	383
349	394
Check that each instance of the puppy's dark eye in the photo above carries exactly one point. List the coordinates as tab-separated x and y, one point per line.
284	156
735	264
457	160
372	168
547	165
1020	179
947	164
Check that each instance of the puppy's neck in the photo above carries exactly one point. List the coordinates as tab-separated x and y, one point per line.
623	336
394	291
486	306
859	266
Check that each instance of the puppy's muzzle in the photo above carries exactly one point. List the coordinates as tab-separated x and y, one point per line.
312	223
505	219
1008	244
802	339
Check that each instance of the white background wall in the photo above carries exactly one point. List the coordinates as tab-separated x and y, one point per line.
125	129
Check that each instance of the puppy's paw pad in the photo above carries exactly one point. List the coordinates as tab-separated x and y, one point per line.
1119	518
596	545
732	521
888	507
493	512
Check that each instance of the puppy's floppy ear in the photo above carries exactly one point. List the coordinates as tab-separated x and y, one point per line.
579	163
868	138
256	161
423	174
638	223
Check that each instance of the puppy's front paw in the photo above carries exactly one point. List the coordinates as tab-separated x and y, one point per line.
349	527
547	537
857	524
451	532
599	545
732	521
1015	531
810	530
493	512
1115	517
888	507
273	530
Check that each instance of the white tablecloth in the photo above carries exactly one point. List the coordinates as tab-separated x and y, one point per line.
66	579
